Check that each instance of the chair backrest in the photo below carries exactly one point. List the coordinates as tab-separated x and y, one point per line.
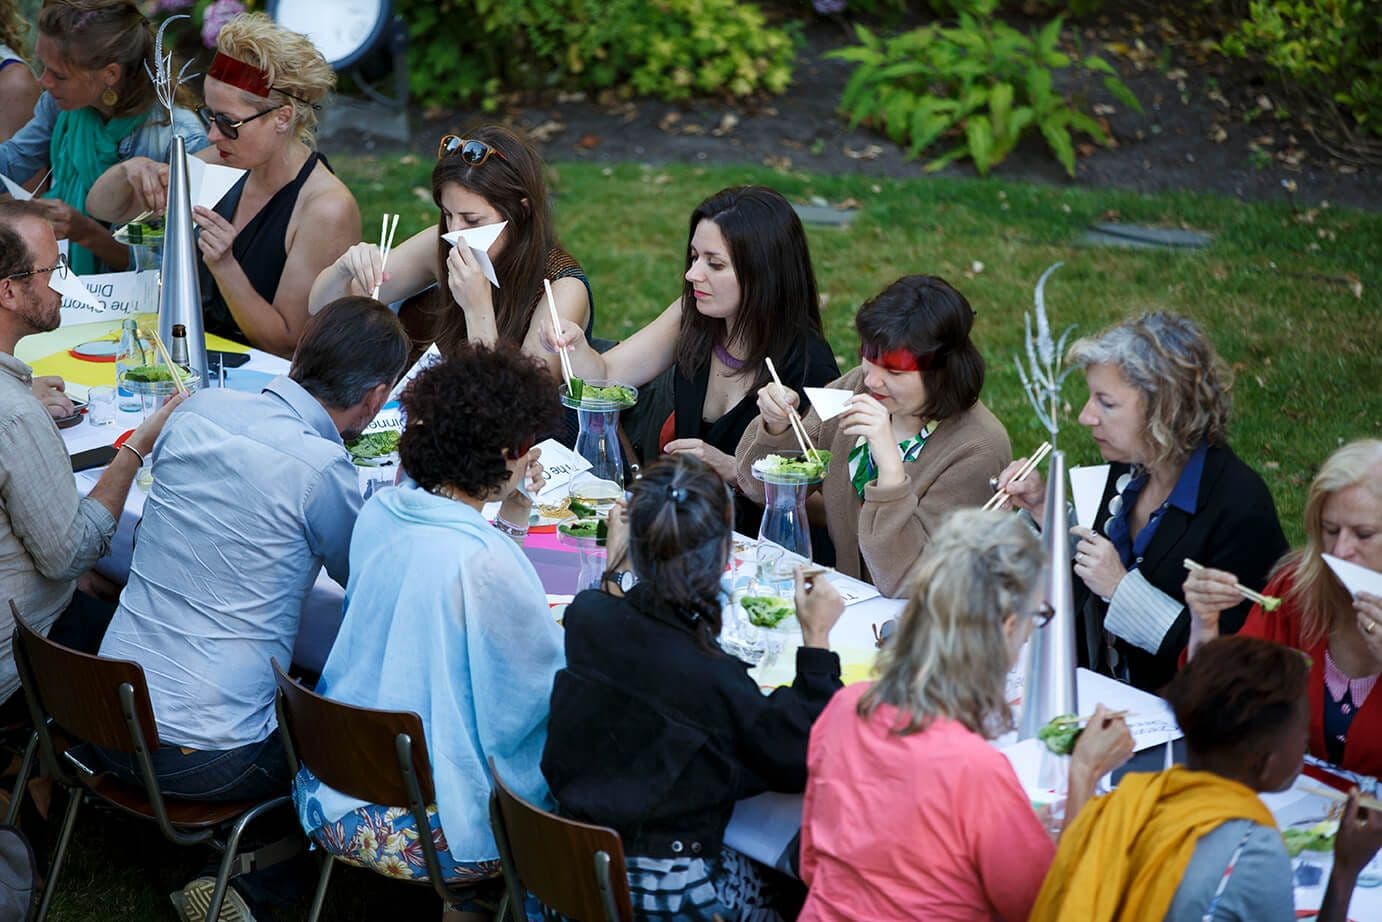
575	868
353	749
81	692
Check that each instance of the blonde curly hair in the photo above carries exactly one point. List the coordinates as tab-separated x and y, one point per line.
298	74
949	656
13	27
1186	387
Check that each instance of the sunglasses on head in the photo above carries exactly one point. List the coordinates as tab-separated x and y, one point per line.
225	124
474	153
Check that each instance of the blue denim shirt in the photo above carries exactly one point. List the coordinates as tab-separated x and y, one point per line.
27	152
251	494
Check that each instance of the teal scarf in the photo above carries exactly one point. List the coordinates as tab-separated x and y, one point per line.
83	147
864	471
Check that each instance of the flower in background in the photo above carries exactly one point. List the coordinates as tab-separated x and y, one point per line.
217	15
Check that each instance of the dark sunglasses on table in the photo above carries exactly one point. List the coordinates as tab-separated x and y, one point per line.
225	124
474	153
60	267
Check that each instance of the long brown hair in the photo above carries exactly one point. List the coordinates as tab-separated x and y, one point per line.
779	308
1315	591
511	180
93	33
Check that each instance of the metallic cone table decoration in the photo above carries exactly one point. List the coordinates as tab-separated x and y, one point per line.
180	297
1049	676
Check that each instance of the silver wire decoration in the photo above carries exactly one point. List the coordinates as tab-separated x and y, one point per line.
1043	376
165	82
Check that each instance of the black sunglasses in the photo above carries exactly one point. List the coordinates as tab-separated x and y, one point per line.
474	153
60	267
231	129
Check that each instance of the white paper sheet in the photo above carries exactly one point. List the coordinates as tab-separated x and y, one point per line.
429	358
1150	718
1355	578
560	464
72	290
479	239
112	294
1086	489
828	402
15	189
210	181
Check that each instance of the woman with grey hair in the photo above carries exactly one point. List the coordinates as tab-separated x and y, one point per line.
910	812
1158	410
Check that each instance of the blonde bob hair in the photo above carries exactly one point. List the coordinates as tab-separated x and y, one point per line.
1315	591
950	656
1185	386
293	64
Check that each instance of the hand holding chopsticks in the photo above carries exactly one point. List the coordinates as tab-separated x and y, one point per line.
1320	790
1269	603
556	332
174	371
1030	465
808	449
386	232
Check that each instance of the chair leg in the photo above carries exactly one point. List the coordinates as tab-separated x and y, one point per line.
69	820
26	767
323	881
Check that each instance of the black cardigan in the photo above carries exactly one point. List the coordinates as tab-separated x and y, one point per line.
1234	528
657	737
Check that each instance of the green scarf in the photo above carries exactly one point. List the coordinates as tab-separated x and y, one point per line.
83	147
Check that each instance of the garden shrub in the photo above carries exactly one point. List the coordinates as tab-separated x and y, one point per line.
1330	49
980	82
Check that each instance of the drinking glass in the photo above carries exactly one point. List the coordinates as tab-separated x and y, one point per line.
100	406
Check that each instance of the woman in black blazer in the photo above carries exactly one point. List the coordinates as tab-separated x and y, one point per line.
654	730
1158	408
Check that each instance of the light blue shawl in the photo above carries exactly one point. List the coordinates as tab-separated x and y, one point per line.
445	616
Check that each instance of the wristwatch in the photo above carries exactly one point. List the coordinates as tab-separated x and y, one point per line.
624	579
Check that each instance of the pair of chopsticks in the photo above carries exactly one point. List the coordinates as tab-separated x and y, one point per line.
1037	457
1268	602
175	371
566	371
386	232
1319	790
1072	719
808	448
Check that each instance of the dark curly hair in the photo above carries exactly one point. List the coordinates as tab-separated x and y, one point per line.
466	413
681	516
1237	692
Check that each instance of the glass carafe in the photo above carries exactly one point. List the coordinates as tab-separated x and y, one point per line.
598	442
784	510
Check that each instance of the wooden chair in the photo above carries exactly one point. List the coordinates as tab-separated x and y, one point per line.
379	757
574	868
76	697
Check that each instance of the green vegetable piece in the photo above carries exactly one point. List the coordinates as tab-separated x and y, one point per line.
577	388
581	510
1060	734
767	611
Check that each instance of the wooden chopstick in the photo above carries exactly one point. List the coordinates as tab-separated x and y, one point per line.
1268	602
1037	457
556	331
386	232
808	449
174	371
1320	790
1069	719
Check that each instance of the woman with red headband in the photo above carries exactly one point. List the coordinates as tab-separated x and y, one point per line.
288	218
914	442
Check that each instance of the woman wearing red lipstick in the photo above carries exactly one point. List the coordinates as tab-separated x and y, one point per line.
748	295
288	218
913	443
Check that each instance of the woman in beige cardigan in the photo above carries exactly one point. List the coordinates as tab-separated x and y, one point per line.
913	443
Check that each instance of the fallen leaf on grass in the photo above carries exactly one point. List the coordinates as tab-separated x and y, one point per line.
1218	134
1355	284
546	131
848	203
727	123
778	163
588	142
669	121
1219	273
408	159
424	194
871	152
693	129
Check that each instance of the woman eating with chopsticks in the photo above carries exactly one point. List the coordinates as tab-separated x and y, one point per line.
1158	411
1309	608
914	441
262	245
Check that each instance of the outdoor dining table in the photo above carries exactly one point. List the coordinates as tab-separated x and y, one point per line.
765	827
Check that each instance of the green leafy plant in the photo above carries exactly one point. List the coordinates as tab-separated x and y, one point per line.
981	83
466	50
1325	49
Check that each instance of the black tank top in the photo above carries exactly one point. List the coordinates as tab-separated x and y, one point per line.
259	248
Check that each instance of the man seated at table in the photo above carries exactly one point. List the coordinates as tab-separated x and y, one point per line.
49	535
252	494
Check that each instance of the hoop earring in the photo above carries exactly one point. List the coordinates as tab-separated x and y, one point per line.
109	98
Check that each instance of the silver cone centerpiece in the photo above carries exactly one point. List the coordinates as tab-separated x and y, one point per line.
180	295
1048	688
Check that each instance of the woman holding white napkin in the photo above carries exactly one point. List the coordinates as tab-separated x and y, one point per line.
490	176
1340	633
1158	411
914	441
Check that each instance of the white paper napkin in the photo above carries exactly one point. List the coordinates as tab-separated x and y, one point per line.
71	288
13	188
1355	578
827	401
1086	489
479	239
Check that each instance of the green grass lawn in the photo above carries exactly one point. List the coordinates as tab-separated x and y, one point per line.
1273	293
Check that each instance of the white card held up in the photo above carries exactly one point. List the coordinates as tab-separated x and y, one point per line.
479	239
560	464
1356	579
828	402
73	291
1086	489
210	181
112	294
429	358
15	189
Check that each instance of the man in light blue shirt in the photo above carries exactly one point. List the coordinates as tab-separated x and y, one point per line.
251	495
